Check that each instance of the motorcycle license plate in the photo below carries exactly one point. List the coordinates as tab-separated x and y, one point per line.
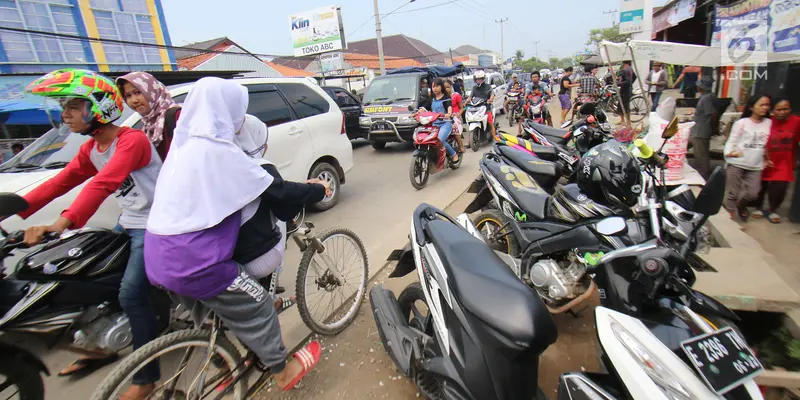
722	359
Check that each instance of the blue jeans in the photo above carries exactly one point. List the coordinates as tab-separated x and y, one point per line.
134	297
655	97
445	128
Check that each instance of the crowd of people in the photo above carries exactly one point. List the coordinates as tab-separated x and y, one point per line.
210	250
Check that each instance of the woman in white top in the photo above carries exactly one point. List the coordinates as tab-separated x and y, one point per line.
745	155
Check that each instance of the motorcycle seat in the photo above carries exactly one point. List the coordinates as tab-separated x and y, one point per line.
487	288
554	135
544	172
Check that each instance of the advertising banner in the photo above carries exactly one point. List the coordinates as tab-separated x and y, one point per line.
331	61
784	30
317	31
673	15
632	16
768	25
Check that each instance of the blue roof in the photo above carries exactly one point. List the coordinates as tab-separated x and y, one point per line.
18	112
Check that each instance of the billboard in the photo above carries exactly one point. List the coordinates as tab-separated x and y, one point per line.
331	61
317	31
632	16
673	14
757	25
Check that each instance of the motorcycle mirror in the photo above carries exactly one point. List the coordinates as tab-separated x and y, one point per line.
709	201
11	203
611	226
494	86
671	129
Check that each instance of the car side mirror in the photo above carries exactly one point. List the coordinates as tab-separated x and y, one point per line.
12	203
709	201
671	129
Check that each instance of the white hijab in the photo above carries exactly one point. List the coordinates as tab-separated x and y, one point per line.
252	139
206	177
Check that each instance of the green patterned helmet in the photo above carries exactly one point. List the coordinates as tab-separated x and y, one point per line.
105	101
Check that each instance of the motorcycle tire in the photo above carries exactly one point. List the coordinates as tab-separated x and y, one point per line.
510	115
455	165
507	244
26	377
475	139
423	175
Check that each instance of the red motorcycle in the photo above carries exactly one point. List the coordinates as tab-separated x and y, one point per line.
429	155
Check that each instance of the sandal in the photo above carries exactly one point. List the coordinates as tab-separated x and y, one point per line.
774	218
89	365
758	214
308	357
286	303
744	215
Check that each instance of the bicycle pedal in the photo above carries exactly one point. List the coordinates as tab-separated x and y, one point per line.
280	289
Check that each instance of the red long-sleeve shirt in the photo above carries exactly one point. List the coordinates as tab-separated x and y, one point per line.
131	151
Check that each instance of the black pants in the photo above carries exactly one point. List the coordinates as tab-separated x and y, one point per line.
702	156
776	191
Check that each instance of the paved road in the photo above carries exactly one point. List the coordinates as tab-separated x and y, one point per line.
376	204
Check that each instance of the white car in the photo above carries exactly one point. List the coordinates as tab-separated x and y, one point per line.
499	86
307	139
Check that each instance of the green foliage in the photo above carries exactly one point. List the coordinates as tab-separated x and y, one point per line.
535	64
611	34
780	349
519	55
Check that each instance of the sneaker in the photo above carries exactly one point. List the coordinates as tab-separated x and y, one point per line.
758	214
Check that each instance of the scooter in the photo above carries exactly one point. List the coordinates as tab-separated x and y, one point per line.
68	288
477	123
429	155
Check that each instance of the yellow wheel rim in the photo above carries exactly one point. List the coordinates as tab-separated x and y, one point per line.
483	222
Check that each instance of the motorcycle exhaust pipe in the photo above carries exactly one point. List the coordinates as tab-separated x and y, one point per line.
566	307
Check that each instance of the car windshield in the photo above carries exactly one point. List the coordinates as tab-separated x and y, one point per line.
54	149
469	84
393	87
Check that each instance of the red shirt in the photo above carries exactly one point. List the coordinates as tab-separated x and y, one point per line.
781	148
133	151
457	99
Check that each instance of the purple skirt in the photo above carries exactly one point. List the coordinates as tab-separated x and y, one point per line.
566	102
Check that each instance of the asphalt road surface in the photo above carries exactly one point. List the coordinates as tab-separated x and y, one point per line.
376	203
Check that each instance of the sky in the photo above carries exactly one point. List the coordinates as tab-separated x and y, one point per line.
262	26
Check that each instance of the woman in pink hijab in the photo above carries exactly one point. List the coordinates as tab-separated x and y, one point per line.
147	96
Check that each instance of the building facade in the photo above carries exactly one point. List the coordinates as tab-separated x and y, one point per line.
140	21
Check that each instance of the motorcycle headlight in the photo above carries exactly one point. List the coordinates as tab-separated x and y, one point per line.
364	121
537	109
661	376
406	120
425	120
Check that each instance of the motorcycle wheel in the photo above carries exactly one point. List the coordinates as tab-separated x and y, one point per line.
418	172
23	376
488	223
475	139
411	302
510	115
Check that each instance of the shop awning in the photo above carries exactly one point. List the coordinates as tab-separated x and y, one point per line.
683	54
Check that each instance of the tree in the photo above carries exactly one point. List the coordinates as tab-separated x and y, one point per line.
519	55
611	34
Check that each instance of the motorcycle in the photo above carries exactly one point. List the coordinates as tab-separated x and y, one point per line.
537	109
21	372
429	155
477	122
68	288
513	107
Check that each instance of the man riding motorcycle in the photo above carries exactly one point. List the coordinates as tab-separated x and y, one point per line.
514	87
545	89
483	90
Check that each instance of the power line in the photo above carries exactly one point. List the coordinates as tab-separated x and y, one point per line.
360	26
425	8
186	49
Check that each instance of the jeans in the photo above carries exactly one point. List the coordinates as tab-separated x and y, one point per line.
134	297
655	96
444	132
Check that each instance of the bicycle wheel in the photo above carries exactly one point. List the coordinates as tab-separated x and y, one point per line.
639	108
188	348
326	304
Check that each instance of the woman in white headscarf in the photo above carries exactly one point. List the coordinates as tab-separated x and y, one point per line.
194	223
262	237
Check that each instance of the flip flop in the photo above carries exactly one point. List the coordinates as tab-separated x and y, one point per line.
308	356
89	365
744	215
286	303
774	218
758	214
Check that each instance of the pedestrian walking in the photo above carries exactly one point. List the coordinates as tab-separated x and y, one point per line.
565	93
657	81
690	76
626	79
705	124
745	156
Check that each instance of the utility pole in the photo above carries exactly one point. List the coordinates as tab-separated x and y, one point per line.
502	60
613	14
452	62
536	43
378	37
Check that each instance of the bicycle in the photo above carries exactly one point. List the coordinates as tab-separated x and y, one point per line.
222	364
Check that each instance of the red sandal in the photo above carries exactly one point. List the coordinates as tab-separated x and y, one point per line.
308	357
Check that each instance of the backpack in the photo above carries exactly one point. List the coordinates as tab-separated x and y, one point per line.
170	121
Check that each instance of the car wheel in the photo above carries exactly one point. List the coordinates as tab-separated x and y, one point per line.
378	145
328	173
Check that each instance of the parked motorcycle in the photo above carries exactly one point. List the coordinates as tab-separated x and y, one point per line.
21	373
478	123
429	155
68	287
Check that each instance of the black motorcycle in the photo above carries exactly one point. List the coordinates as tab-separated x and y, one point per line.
66	290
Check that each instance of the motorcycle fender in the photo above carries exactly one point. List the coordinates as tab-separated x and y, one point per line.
704	305
405	262
478	184
418	153
399	340
480	201
23	355
473	125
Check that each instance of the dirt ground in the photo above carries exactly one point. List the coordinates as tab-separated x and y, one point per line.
355	365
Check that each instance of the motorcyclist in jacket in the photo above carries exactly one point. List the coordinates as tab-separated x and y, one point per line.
514	87
545	89
483	90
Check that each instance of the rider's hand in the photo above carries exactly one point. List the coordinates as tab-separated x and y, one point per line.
448	116
35	234
735	154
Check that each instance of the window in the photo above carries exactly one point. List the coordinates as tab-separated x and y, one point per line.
497	81
45	16
344	99
126	20
269	107
305	101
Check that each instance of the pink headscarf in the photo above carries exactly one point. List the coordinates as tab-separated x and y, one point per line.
159	98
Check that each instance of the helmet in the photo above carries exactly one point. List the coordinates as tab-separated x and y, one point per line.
609	174
479	75
514	76
104	100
